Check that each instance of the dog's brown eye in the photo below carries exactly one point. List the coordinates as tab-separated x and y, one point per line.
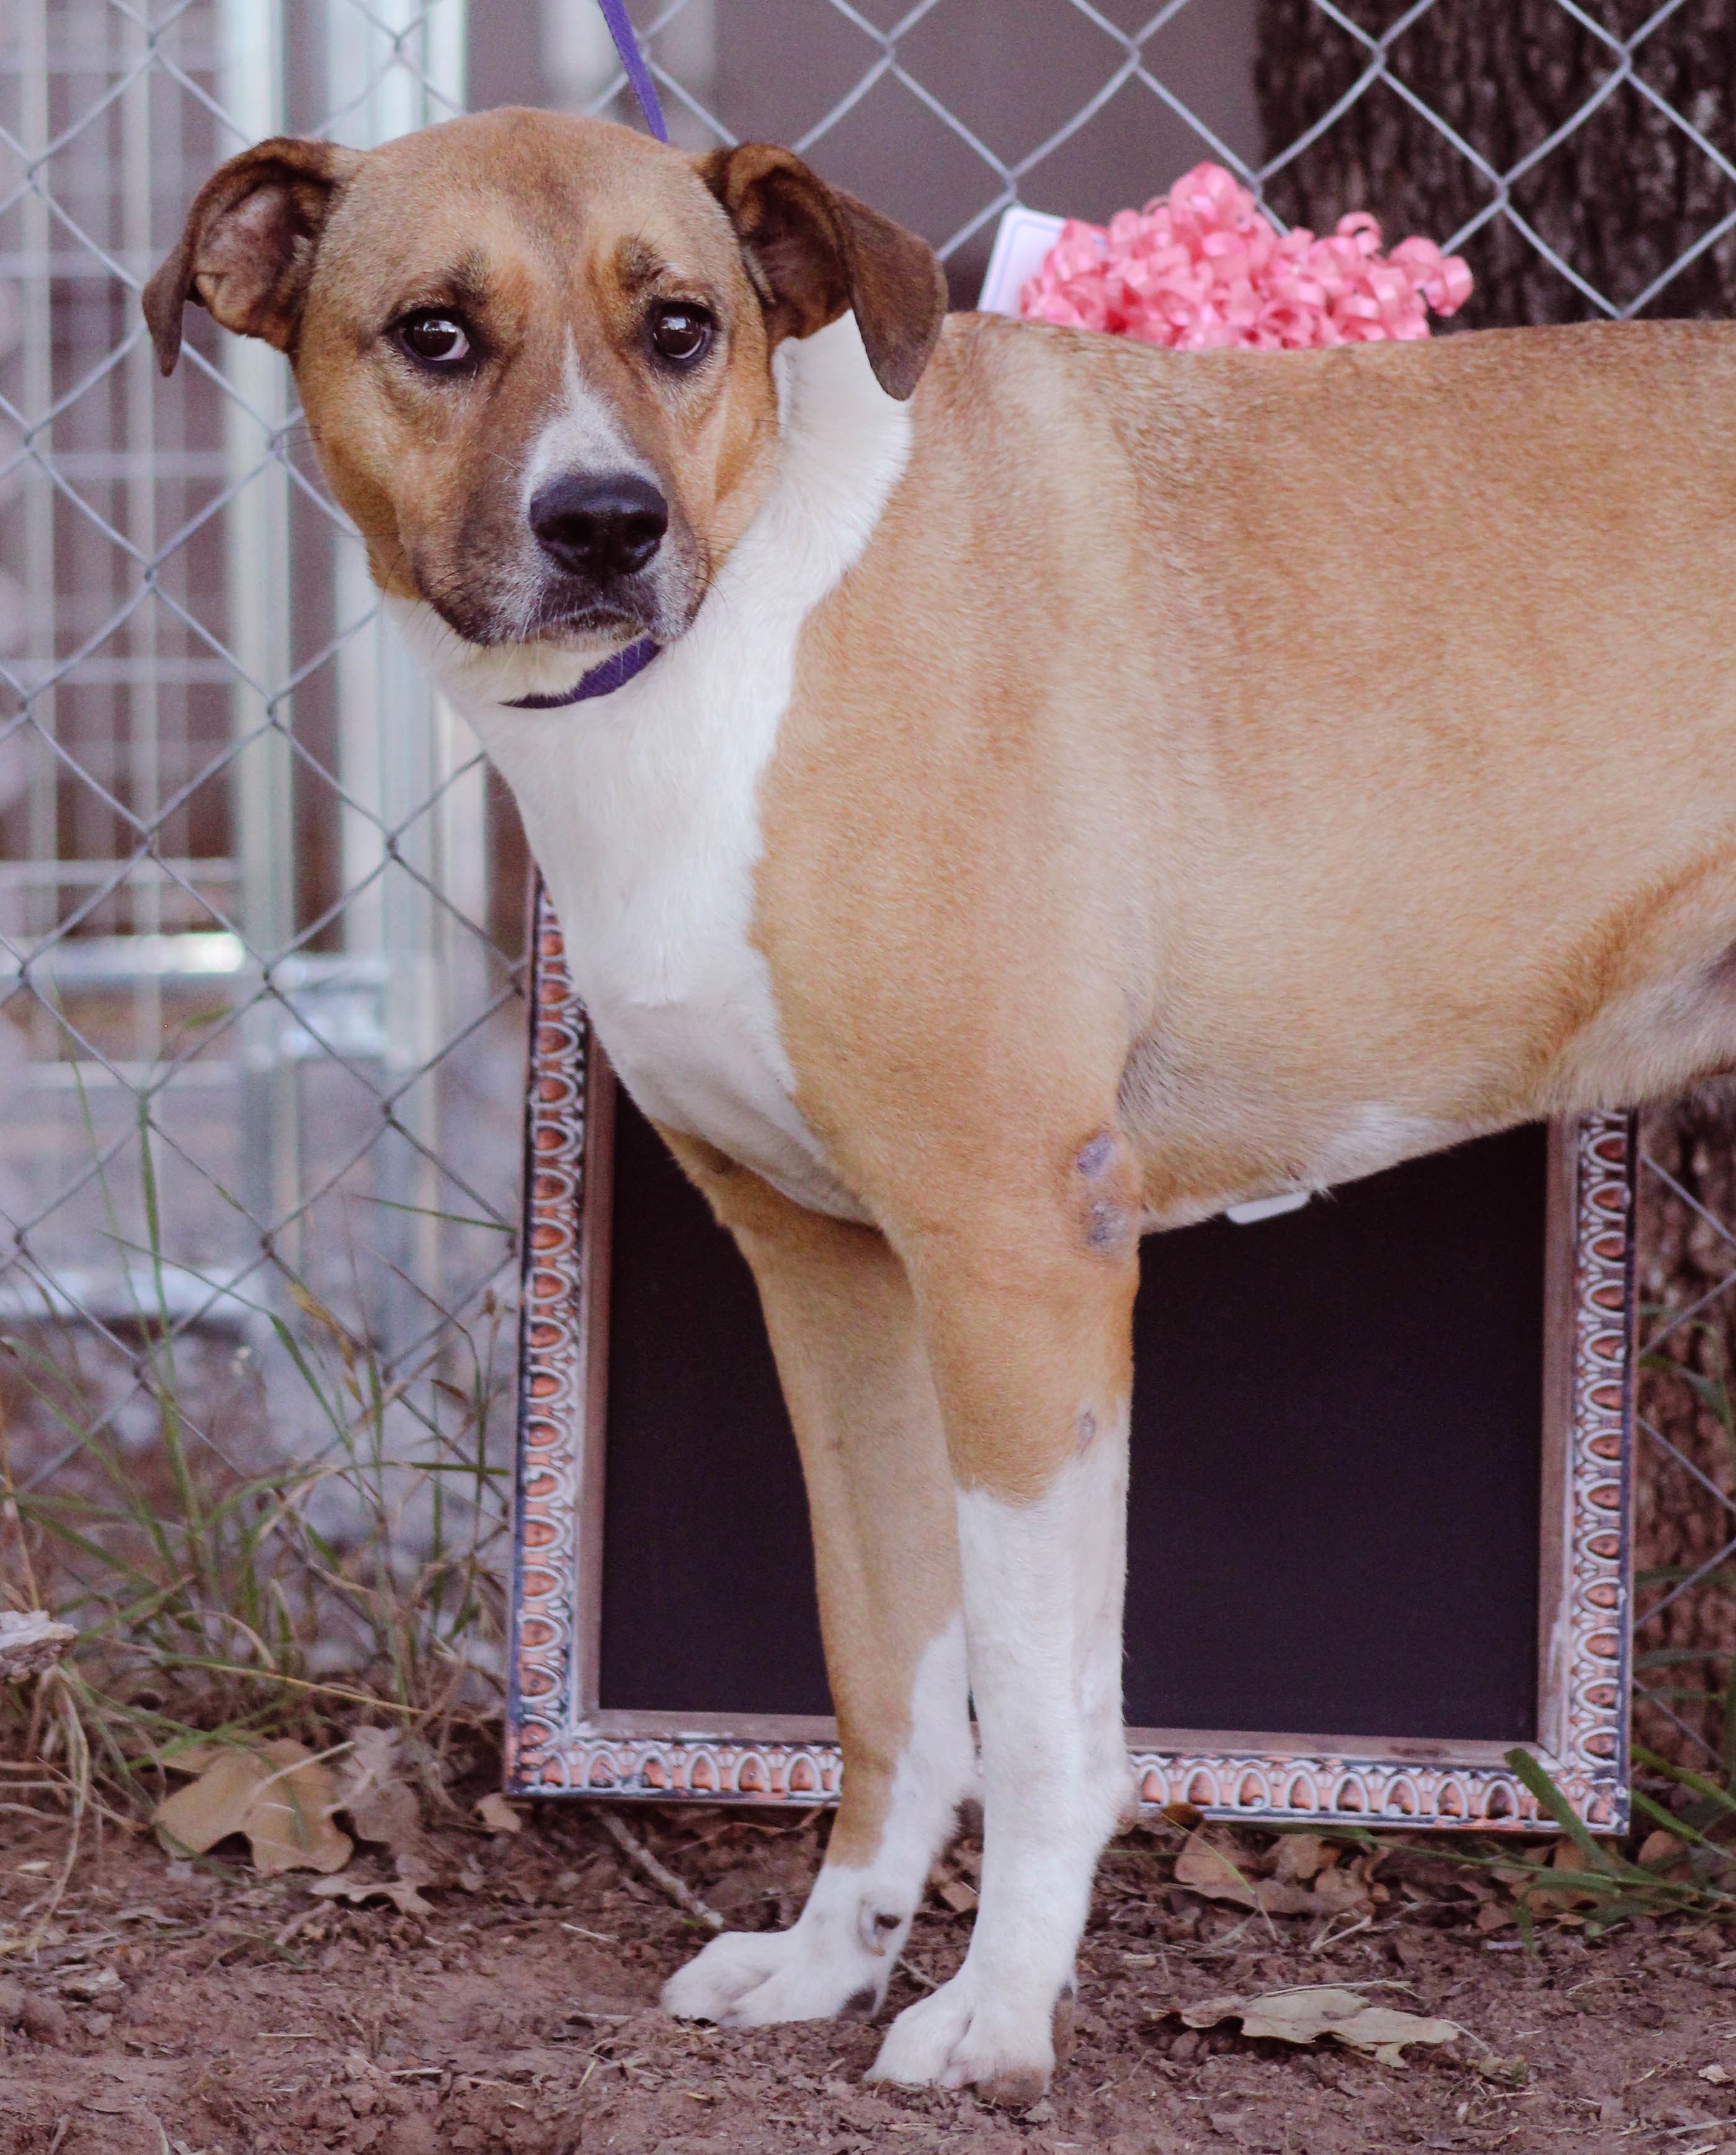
681	333
437	340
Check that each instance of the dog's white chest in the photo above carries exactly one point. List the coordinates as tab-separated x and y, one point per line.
643	806
648	833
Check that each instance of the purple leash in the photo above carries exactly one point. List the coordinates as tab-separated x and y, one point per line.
620	667
614	13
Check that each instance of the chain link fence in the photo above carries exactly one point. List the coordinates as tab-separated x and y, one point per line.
260	905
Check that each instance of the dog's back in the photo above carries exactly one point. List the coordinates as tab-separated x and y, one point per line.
1380	703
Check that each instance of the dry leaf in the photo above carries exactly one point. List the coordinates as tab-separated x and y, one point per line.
1208	1865
1342	1891
373	1753
1505	2072
1665	1853
959	1895
1493	1917
498	1815
382	1807
1716	2074
1272	1897
1556	1899
1303	2016
1299	1855
189	1758
400	1891
389	1814
31	1641
278	1796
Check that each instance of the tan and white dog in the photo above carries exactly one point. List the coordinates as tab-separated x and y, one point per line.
1074	788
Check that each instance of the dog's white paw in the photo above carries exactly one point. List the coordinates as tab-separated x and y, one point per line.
968	2033
749	1980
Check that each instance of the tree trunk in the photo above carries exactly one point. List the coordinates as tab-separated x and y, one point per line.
1621	198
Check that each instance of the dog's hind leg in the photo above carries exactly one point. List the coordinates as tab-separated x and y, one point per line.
843	1328
1030	1341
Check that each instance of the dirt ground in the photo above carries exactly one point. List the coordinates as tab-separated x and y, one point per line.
192	2009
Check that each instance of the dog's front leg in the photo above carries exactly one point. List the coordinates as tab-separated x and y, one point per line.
849	1350
1031	1359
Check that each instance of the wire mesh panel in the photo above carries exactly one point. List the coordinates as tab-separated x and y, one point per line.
261	1051
1685	1587
254	1025
259	913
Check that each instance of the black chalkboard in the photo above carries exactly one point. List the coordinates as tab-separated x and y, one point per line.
1336	1462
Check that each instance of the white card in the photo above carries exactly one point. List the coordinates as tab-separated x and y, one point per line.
1024	237
1265	1208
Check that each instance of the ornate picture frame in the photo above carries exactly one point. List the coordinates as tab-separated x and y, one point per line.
559	1742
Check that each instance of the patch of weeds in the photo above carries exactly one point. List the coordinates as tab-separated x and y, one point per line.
359	1579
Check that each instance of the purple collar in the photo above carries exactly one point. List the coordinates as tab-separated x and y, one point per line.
614	672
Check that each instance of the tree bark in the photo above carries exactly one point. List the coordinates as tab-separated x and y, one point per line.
1621	199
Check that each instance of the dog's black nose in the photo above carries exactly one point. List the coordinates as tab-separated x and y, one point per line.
602	527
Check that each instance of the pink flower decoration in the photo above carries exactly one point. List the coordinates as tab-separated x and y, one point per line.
1200	268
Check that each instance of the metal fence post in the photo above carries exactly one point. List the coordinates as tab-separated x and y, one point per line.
258	597
390	741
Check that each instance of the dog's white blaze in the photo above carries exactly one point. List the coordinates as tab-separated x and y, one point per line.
583	435
1043	1584
848	1937
643	806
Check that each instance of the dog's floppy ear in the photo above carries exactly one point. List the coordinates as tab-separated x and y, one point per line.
814	251
247	251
